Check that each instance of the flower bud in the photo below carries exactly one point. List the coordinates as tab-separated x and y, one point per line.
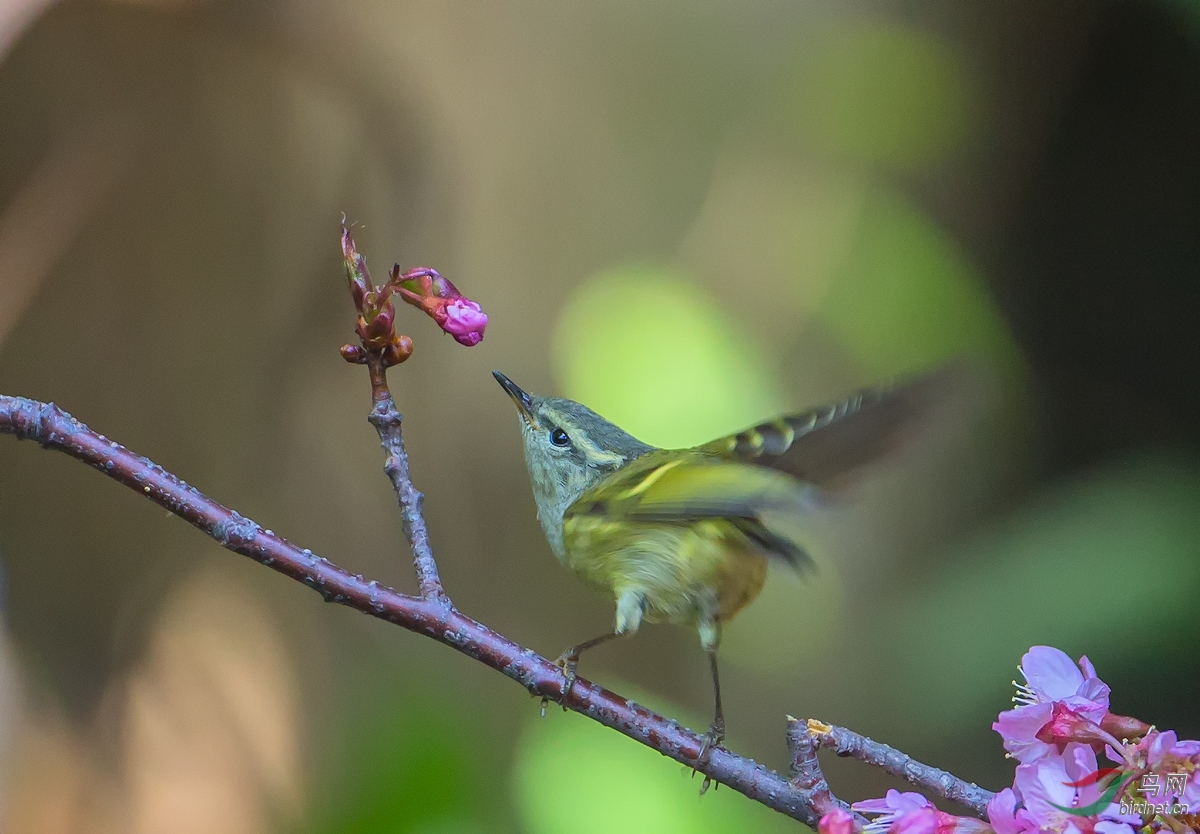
381	325
354	354
465	320
399	350
438	298
357	276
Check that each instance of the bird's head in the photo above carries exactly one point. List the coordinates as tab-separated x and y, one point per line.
568	447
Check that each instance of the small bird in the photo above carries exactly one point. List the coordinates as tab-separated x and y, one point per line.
684	536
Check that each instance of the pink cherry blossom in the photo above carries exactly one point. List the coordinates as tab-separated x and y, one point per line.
1059	702
1165	755
893	803
1051	676
912	813
1046	791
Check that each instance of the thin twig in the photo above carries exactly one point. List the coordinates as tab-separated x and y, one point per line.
53	428
387	421
937	782
806	773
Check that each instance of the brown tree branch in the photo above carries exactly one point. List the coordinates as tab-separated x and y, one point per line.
805	797
432	616
806	773
937	782
387	421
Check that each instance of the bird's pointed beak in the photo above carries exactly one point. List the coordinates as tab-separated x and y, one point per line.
524	401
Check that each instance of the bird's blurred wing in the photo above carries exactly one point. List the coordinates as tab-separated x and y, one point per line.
683	486
825	444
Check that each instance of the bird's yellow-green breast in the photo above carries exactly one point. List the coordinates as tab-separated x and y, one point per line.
648	531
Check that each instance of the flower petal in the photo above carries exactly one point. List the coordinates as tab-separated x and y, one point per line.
1002	813
465	320
1050	673
1043	786
916	821
1019	728
837	821
1080	762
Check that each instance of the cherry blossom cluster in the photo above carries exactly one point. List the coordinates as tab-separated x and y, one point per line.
1060	724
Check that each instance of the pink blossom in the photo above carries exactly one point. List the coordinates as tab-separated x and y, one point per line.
1164	750
463	319
893	803
1165	755
438	298
1051	676
1079	761
1046	788
1059	702
912	813
837	821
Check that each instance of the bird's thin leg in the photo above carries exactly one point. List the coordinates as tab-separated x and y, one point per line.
568	661
716	732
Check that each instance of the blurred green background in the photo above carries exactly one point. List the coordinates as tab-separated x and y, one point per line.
690	216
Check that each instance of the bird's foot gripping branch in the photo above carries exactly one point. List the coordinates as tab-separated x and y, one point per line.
804	794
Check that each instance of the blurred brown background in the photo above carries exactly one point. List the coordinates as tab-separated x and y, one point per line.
689	216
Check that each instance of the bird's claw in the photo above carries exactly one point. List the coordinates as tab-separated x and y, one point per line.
568	661
712	739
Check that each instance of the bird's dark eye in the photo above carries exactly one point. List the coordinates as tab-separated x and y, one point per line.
559	438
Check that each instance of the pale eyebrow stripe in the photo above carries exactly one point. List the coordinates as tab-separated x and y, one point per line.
591	451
